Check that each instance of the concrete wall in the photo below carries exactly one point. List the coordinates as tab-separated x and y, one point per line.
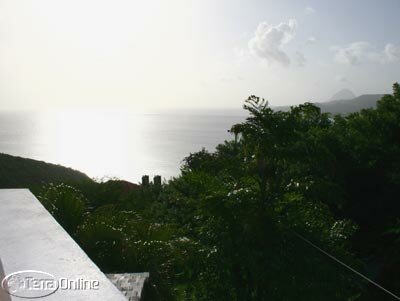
31	239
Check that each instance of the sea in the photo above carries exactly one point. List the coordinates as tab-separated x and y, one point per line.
112	143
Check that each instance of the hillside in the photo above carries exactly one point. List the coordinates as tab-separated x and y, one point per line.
344	94
17	172
346	106
351	105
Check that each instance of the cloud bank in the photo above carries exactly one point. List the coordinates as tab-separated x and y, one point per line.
360	52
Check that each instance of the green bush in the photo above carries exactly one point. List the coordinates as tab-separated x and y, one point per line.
65	203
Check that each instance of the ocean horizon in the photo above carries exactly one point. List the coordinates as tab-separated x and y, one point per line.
115	143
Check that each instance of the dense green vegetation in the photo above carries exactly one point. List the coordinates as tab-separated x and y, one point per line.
229	227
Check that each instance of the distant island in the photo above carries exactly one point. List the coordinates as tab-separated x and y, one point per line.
344	94
344	106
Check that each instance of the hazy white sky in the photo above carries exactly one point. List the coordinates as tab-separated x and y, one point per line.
205	53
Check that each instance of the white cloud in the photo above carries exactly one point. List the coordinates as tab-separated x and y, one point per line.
352	54
312	40
392	53
268	41
309	10
300	59
360	52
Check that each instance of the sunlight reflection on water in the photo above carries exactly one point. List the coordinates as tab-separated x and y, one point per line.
113	143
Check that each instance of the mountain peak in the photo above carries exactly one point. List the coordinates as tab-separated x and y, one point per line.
343	94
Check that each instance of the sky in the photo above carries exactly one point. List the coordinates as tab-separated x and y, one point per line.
159	54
